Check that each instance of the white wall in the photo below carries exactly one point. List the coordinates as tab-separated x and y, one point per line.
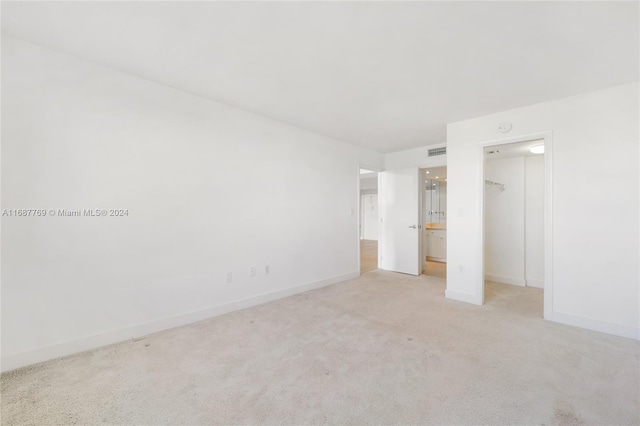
534	221
595	151
209	189
504	237
416	157
369	184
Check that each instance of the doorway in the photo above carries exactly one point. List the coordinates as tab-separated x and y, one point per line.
434	214
515	234
402	212
368	220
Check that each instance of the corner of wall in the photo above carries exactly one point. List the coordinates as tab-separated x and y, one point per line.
463	297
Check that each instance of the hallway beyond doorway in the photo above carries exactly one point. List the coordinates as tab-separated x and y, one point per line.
368	255
436	269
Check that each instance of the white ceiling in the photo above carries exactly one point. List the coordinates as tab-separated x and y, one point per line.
511	150
435	173
384	75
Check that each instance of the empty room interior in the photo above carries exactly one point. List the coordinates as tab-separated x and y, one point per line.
320	213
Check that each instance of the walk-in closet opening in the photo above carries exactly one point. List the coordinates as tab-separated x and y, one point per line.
514	219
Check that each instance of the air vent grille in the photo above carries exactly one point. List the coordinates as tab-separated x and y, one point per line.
433	152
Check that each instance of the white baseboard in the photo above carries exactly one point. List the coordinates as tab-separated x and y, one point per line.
463	297
535	283
13	361
505	280
596	325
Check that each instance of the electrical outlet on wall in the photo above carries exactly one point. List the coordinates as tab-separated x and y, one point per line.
461	269
228	277
252	271
267	269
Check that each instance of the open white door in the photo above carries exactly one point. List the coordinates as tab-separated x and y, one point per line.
400	227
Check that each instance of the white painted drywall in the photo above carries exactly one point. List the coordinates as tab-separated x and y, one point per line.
595	274
369	184
504	235
534	221
416	157
209	189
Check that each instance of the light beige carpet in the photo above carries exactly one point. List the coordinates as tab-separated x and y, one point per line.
381	349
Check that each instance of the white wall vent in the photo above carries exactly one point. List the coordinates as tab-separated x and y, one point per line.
433	152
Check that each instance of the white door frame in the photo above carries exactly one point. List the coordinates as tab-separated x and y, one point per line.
358	206
548	213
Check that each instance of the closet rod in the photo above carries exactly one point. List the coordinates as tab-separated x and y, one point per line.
492	183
